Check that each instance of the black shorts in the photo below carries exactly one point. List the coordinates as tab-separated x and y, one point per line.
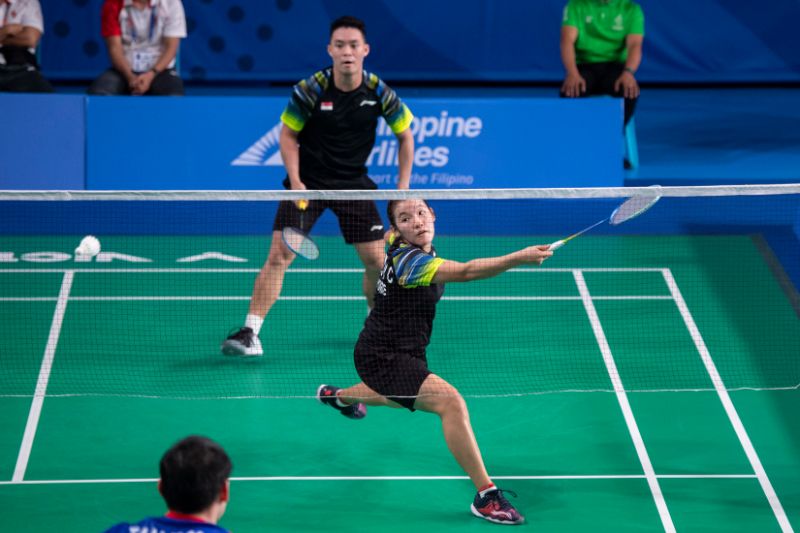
359	220
396	376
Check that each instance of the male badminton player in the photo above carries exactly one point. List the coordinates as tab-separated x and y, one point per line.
327	135
390	352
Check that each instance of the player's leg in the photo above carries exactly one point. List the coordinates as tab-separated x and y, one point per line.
371	255
110	82
362	226
361	393
269	281
437	396
166	83
352	402
266	290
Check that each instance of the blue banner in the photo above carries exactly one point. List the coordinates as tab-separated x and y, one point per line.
42	141
232	143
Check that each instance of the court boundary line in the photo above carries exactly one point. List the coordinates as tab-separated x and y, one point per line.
727	403
44	377
389	478
622	399
168	298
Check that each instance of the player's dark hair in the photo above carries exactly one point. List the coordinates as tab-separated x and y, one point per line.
390	210
349	22
193	472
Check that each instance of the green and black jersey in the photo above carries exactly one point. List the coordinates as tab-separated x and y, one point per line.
602	27
337	129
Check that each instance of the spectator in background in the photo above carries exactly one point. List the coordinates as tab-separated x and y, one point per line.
142	37
601	48
21	27
195	485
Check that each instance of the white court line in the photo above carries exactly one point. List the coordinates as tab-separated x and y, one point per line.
384	478
625	406
725	398
319	298
44	377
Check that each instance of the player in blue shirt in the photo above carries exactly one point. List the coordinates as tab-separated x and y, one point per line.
390	352
195	485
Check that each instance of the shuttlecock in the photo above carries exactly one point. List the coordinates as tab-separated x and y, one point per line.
89	246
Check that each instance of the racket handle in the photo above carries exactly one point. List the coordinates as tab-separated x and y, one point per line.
556	245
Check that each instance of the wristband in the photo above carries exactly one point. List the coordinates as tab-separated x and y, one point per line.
628	69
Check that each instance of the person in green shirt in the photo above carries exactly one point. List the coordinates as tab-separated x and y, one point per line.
601	48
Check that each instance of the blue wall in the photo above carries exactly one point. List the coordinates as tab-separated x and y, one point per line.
42	141
479	40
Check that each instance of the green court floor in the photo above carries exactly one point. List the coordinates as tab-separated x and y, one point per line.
632	384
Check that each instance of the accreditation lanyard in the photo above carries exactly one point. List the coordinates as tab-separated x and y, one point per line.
5	15
151	28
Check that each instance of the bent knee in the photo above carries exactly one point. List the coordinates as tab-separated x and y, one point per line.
451	404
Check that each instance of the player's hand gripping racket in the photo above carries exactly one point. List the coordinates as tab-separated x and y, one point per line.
297	239
630	208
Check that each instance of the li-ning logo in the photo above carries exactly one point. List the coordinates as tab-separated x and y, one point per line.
367	102
264	152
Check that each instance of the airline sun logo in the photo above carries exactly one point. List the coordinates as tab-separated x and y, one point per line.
264	152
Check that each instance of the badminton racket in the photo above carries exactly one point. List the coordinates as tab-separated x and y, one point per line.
630	208
297	238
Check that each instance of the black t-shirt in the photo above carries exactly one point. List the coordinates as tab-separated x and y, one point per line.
405	301
337	129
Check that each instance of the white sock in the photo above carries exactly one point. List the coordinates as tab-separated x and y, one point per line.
254	322
340	403
489	488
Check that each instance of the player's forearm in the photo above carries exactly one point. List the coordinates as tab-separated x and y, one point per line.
567	45
634	57
568	59
290	153
120	62
169	53
21	36
405	160
487	267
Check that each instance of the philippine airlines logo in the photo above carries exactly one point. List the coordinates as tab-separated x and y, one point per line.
434	137
264	152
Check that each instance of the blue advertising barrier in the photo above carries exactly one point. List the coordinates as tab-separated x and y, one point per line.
42	141
232	143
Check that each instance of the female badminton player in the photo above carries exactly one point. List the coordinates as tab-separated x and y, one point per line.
390	352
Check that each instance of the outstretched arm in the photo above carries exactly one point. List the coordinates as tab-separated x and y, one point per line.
488	267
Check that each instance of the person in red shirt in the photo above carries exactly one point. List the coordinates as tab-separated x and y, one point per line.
142	37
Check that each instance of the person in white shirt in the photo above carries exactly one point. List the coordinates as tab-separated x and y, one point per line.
21	27
142	37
